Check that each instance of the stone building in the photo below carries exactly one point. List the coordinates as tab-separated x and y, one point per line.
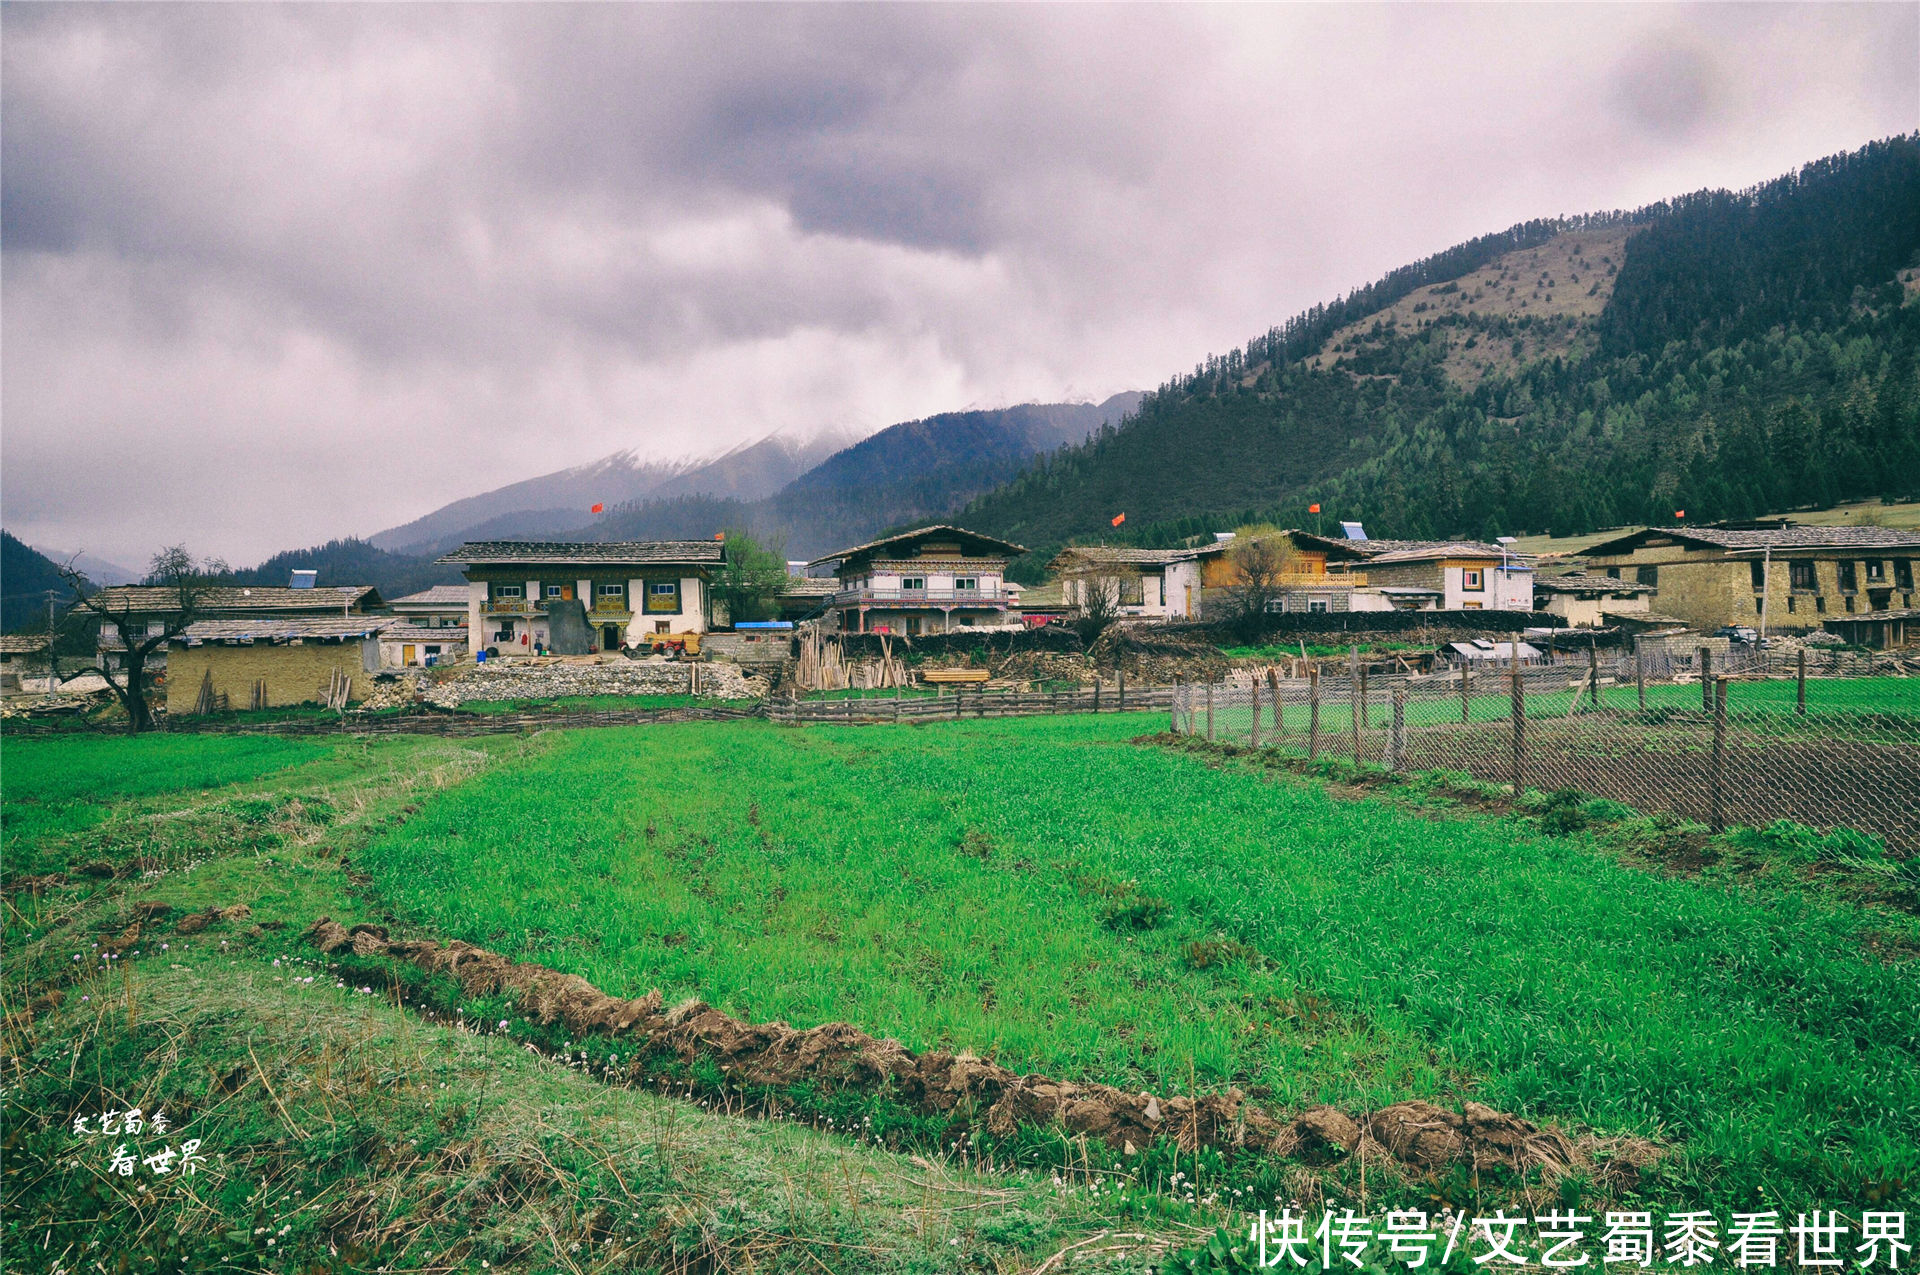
1784	576
1585	600
577	598
932	580
139	611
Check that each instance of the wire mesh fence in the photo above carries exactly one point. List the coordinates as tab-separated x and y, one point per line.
1719	738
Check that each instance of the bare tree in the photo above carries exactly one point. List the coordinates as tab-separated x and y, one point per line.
186	583
1259	569
1096	603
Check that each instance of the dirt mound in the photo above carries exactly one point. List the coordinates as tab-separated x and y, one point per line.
195	922
1419	1135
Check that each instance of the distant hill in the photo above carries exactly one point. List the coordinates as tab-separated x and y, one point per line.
557	502
913	470
1724	353
97	569
342	562
26	575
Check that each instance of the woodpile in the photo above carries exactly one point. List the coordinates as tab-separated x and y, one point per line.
823	666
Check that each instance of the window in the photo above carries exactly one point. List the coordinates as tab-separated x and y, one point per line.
1473	579
1820	603
109	632
555	591
966	584
1791	600
913	584
663	595
1131	592
1876	569
1903	572
612	590
1800	574
1613	573
1316	604
508	590
1758	571
1649	576
1849	576
1470	606
504	635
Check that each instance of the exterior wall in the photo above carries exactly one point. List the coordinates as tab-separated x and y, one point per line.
631	614
1182	584
1578	611
294	674
1501	588
405	646
1708	587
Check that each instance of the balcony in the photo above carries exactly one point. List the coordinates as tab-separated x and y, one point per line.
941	599
511	606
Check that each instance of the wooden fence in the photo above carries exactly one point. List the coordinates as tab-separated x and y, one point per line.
963	704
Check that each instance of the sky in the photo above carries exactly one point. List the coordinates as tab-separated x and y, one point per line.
272	274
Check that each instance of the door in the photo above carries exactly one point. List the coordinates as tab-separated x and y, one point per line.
406	655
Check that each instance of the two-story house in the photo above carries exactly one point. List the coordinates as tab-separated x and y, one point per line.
933	580
1155	584
140	611
574	598
1446	575
1773	572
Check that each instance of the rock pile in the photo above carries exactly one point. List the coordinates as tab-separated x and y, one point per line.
555	679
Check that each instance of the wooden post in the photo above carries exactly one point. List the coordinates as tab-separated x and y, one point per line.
1313	720
1173	709
1640	671
1254	738
1519	731
1593	676
1354	688
1397	741
1279	716
1706	679
1717	689
1466	690
1209	712
1121	672
1096	694
1800	688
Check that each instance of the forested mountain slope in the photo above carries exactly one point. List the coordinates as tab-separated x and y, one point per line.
1726	353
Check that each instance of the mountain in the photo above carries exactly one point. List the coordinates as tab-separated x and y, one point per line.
26	575
344	562
913	470
556	502
98	570
1725	353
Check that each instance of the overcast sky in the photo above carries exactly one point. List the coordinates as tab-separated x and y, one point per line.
275	273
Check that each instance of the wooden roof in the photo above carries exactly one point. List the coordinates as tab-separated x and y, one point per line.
989	546
589	552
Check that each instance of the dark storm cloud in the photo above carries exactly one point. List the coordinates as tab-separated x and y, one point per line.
316	269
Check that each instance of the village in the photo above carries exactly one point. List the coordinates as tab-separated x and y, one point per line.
636	618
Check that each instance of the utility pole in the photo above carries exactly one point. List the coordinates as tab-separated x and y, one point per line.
1766	587
50	665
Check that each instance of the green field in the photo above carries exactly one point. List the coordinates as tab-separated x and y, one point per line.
1056	893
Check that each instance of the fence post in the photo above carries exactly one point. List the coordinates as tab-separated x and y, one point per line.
1800	689
1365	703
1519	733
1254	738
1706	679
1353	703
1096	694
1593	676
1279	715
1640	671
1397	742
1209	712
1121	671
1313	721
1173	709
1718	818
1466	691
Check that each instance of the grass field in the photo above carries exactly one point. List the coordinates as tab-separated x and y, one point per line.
1047	891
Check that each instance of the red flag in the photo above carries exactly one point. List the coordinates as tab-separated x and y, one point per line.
719	535
1679	513
1313	509
1118	519
596	509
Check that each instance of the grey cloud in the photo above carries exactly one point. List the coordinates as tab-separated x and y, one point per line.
473	243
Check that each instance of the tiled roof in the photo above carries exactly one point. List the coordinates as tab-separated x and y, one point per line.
282	629
808	587
1758	540
1046	597
22	643
440	595
146	599
1121	555
840	555
1902	613
564	553
1585	582
1428	550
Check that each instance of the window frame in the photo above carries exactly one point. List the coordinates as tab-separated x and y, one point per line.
1473	579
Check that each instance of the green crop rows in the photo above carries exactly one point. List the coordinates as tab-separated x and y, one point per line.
1073	903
